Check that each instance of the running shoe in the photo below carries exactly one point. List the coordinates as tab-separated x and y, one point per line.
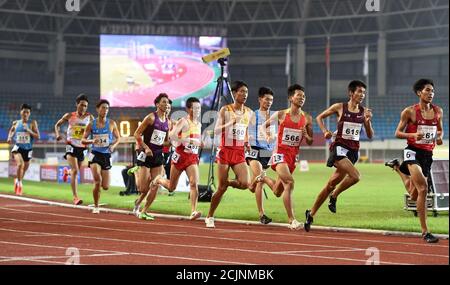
295	225
332	204
132	170
209	222
96	210
392	163
77	201
265	220
19	188
309	220
145	216
16	186
429	238
195	215
136	211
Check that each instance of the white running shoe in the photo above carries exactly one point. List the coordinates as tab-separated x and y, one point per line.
96	210
295	225
195	215
210	222
136	210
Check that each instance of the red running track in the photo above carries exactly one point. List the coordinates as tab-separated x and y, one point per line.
41	234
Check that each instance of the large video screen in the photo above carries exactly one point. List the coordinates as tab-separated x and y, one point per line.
134	69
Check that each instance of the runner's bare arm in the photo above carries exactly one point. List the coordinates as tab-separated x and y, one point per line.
34	131
333	109
12	131
64	118
181	125
307	131
405	118
220	125
148	121
86	134
116	135
440	130
368	122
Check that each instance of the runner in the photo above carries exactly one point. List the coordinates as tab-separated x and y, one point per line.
154	129
262	145
24	132
294	126
421	125
186	137
75	150
232	124
101	132
344	150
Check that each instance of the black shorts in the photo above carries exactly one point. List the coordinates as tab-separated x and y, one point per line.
149	161
102	159
259	154
77	152
27	154
412	155
338	152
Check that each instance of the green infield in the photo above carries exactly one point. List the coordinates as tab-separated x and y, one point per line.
374	203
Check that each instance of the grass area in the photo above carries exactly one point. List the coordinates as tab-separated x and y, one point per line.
374	203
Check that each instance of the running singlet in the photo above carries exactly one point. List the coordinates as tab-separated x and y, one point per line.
256	137
76	129
22	138
194	132
104	135
290	134
234	136
155	135
427	126
349	128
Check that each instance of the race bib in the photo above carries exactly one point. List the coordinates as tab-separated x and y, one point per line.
103	140
340	151
291	137
77	132
253	153
409	155
91	157
237	132
158	137
23	137
429	134
142	156
69	149
191	148
277	158
351	131
175	157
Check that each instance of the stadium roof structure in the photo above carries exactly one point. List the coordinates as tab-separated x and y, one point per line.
251	26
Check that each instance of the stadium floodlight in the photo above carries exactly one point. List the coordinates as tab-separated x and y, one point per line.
222	53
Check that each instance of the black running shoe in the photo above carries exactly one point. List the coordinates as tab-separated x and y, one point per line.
265	220
392	163
429	238
332	204
309	220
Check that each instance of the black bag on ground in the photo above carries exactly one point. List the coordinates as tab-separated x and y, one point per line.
204	193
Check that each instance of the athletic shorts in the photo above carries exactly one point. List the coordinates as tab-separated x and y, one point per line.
279	157
102	159
149	161
183	160
412	155
338	152
259	154
229	156
27	154
75	151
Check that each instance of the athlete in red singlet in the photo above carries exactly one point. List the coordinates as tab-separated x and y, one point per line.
421	125
294	126
232	124
344	151
186	137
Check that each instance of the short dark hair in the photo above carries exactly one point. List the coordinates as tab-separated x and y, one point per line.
160	96
25	106
102	101
354	84
237	84
81	97
420	84
264	90
190	101
292	88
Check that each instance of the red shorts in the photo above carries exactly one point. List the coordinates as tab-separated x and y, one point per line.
287	158
230	157
183	160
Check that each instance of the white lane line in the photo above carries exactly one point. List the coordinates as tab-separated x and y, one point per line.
29	258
